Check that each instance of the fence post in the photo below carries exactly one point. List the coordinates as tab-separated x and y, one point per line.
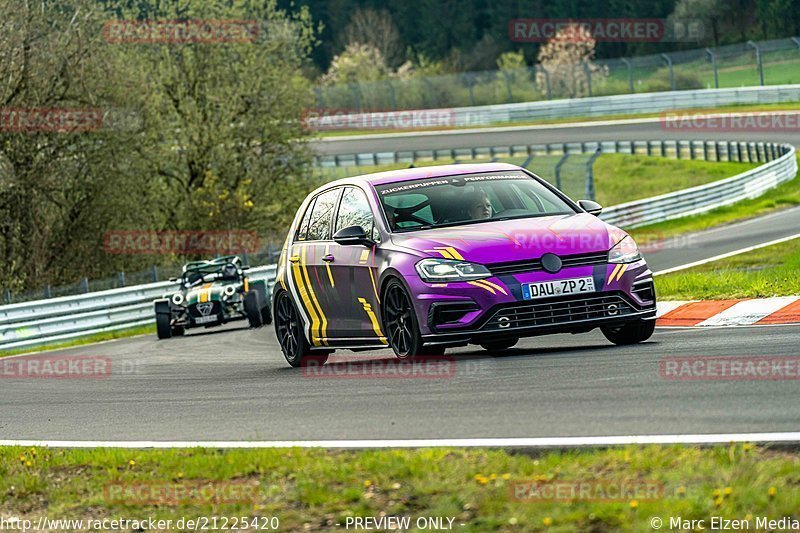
630	73
392	95
121	278
507	76
714	67
589	193
154	273
558	167
356	96
547	82
85	285
668	60
467	77
758	61
588	73
47	291
320	98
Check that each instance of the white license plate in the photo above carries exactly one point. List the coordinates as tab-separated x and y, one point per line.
205	319
546	289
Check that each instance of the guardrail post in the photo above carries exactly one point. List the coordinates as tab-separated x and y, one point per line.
714	66
630	73
47	291
85	285
558	167
730	151
121	278
758	61
691	150
749	153
663	149
677	149
705	150
154	273
7	296
589	193
716	150
739	151
649	148
668	60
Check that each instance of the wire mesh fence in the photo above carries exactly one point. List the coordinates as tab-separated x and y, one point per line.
740	65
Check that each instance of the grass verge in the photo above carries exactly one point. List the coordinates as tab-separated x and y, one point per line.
310	489
770	271
91	339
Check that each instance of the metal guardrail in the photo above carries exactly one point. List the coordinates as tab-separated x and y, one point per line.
622	104
35	323
31	324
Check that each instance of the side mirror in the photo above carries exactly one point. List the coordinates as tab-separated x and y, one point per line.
352	235
593	208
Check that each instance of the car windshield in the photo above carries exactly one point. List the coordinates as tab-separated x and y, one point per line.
467	199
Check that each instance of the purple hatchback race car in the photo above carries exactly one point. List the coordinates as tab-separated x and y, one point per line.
428	258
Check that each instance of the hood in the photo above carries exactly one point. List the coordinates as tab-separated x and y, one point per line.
513	240
208	292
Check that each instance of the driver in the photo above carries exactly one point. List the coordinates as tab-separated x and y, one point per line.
478	205
229	271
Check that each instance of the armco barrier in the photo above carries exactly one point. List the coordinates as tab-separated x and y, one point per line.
31	324
625	104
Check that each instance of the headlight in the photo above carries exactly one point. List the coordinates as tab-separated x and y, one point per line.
434	270
177	298
229	290
625	251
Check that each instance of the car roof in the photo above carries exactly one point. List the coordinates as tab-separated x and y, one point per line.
407	174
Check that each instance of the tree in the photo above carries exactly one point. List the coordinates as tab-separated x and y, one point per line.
376	29
358	63
568	59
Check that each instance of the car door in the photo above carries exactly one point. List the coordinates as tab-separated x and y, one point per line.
308	268
353	271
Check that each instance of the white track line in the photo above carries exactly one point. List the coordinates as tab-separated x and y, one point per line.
728	254
545	442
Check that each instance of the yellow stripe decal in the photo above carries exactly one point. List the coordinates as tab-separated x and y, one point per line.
374	286
374	319
478	284
613	273
454	253
364	256
301	290
328	265
621	272
324	326
495	285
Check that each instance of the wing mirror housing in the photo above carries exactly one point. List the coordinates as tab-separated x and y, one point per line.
591	207
353	235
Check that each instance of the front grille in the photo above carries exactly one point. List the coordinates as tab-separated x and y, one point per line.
531	265
555	311
211	307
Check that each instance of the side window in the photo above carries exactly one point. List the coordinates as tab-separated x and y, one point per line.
319	225
302	229
354	210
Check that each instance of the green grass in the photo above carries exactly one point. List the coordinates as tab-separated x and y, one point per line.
315	489
781	197
769	271
91	339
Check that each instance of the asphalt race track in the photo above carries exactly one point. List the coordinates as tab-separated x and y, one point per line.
624	130
232	383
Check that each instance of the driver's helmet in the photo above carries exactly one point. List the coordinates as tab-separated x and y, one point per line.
229	271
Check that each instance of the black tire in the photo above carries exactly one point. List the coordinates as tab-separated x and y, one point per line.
178	331
631	333
499	346
252	309
289	330
266	315
400	321
163	329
